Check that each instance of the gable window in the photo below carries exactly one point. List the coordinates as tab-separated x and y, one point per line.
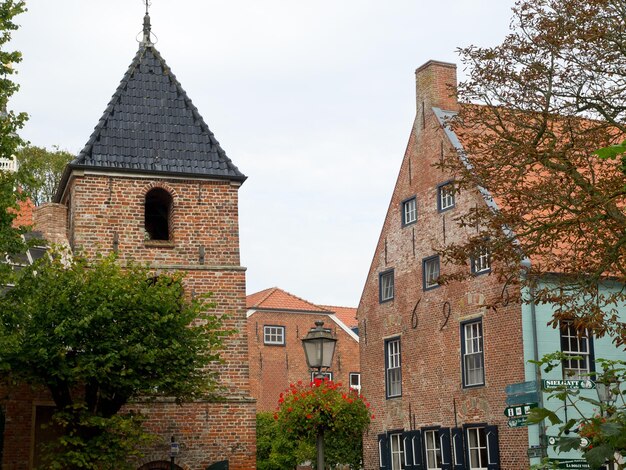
432	447
430	272
157	214
409	211
445	196
274	335
385	281
397	451
355	381
477	448
472	354
393	370
481	261
576	343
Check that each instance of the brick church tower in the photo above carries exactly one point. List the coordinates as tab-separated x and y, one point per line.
154	185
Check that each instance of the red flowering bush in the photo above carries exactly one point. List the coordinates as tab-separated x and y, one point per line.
322	405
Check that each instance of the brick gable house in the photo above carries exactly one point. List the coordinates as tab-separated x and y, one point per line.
277	322
436	361
155	186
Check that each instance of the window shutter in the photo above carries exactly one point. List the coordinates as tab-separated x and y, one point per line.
407	438
458	462
416	446
493	448
383	451
446	450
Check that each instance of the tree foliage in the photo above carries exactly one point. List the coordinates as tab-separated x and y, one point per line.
40	171
10	123
322	406
98	336
533	111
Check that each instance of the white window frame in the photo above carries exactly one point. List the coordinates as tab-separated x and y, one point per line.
577	344
398	451
446	196
325	375
274	335
358	376
393	368
409	211
480	445
481	262
473	347
432	449
430	274
387	285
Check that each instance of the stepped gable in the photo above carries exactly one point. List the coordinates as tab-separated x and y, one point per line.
151	126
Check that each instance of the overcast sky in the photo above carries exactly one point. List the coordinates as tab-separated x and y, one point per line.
312	100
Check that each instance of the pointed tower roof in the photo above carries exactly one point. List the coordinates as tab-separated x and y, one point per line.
151	126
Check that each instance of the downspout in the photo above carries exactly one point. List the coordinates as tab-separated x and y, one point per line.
533	316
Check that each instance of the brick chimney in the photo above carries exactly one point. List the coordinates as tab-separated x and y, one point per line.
436	86
51	220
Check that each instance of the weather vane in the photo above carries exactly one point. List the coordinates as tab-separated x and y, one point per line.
147	29
148	4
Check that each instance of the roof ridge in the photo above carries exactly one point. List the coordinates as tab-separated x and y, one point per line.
270	290
303	300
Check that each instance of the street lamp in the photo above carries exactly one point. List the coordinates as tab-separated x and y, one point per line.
607	389
319	348
174	450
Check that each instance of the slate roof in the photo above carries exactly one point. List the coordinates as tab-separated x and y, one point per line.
151	126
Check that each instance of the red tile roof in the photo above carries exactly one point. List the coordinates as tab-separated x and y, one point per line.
278	299
346	314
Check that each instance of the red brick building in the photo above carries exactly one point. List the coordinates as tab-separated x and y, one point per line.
435	362
277	322
154	185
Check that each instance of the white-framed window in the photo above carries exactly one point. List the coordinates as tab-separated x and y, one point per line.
430	272
576	343
481	261
473	356
409	211
397	451
393	369
386	284
432	448
477	449
325	375
355	381
445	196
274	335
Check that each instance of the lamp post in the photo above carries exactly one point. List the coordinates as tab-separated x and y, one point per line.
319	348
174	450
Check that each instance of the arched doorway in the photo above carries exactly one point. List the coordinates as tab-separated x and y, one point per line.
159	465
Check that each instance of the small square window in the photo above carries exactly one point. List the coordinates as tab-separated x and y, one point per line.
430	272
386	286
481	261
355	381
409	211
274	335
445	196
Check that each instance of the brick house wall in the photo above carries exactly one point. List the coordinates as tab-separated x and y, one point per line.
274	367
428	322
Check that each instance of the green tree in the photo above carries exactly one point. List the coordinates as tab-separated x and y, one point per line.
98	336
275	450
10	123
40	171
306	409
533	111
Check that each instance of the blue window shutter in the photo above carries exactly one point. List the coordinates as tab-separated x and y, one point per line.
383	449
493	448
416	444
446	450
407	437
458	462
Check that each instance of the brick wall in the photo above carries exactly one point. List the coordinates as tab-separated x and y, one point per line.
429	322
273	368
51	219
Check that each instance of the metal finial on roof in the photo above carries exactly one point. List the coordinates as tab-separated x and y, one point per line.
146	24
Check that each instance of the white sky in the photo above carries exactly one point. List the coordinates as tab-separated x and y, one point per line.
312	100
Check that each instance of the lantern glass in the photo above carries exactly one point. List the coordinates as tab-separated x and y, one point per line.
319	347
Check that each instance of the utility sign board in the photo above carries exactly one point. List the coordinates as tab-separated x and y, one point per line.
531	397
518	422
521	410
521	388
578	464
569	384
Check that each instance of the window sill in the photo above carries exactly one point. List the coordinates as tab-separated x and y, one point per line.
159	244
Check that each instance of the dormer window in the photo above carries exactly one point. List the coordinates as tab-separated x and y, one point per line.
158	210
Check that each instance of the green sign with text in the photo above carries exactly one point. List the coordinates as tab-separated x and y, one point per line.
569	384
